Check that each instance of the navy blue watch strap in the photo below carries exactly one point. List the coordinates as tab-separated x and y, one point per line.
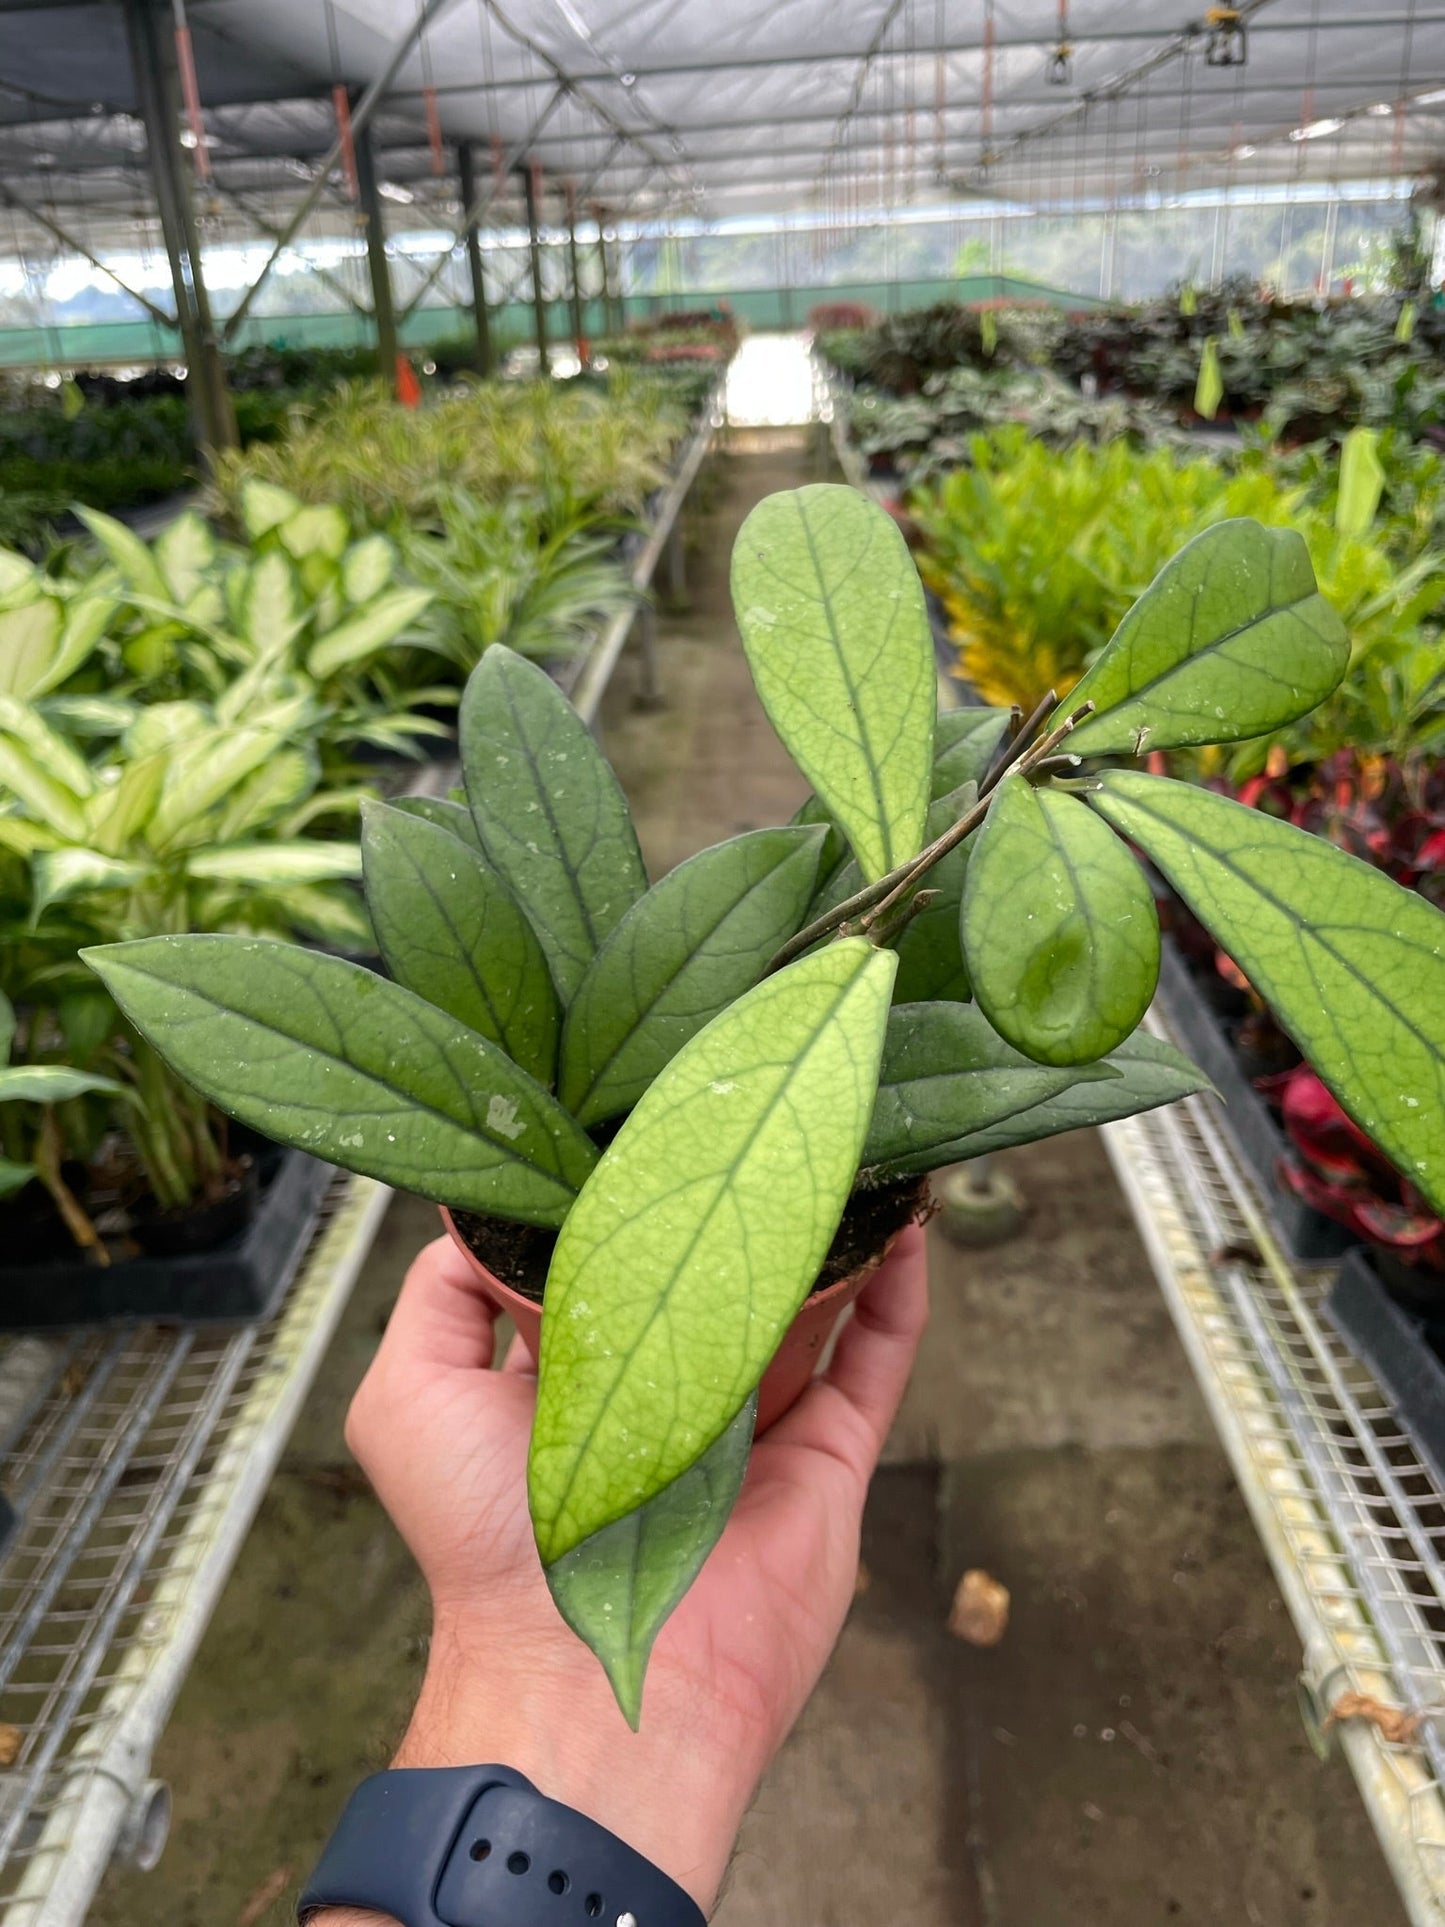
479	1846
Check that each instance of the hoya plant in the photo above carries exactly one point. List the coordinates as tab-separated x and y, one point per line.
686	1089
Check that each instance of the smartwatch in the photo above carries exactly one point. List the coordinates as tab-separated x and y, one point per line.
479	1846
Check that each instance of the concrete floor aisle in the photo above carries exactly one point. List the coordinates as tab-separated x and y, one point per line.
1129	1755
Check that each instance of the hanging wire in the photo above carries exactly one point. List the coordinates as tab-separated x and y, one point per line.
341	103
940	92
429	102
190	91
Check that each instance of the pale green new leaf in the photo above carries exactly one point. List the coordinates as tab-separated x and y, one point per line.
947	1073
697	940
698	1237
1351	963
1231	639
283	782
203	770
451	930
324	1055
548	810
1060	933
832	616
361	635
1150	1073
1362	482
618	1588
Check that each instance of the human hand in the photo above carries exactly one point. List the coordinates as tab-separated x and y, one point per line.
444	1442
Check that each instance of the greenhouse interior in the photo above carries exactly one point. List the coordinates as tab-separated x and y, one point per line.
722	853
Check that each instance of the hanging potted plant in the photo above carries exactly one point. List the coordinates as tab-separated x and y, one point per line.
692	1088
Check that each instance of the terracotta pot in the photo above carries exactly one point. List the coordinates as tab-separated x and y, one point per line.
794	1362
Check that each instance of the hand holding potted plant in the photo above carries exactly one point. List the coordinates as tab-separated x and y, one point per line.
689	1089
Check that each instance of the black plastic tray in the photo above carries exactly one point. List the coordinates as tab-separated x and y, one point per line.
1306	1234
241	1280
1395	1344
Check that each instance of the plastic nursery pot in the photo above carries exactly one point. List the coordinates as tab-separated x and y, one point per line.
794	1362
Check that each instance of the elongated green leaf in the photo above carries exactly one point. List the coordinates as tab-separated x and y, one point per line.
617	1589
1060	933
1209	388
55	755
1230	640
700	1234
57	807
263	864
317	530
451	930
1351	963
946	1074
265	506
548	810
116	815
930	950
1141	1074
832	616
270	609
129	554
447	815
279	785
697	940
50	1084
29	644
366	568
61	874
203	770
86	620
14	1177
324	1055
964	746
370	629
7	1027
1362	482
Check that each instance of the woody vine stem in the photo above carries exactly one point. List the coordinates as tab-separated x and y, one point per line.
873	905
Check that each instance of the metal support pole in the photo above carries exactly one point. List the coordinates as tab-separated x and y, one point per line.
604	266
360	120
467	175
381	303
534	241
574	274
153	61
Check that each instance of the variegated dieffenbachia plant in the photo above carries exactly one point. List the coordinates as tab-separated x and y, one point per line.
949	950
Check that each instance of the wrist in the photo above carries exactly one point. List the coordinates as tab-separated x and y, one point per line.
658	1790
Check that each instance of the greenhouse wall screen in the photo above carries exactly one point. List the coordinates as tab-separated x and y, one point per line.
722	963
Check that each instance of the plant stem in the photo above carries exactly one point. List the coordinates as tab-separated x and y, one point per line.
874	901
47	1167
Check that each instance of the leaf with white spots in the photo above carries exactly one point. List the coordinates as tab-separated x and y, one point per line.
1351	963
832	616
1230	640
326	1056
548	811
451	930
698	1237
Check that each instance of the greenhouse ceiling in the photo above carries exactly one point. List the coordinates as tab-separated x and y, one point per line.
720	107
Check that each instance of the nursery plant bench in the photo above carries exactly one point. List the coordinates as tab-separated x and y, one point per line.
1349	1510
137	1460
